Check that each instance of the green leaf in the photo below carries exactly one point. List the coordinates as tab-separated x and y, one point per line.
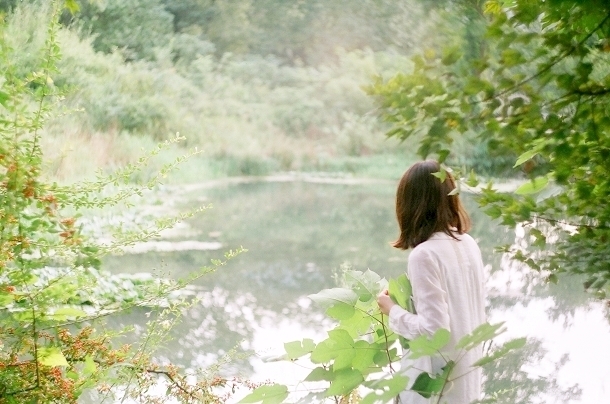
451	55
494	211
319	374
424	346
6	299
339	346
512	57
23	316
365	355
72	6
383	358
441	175
4	97
503	350
296	349
267	394
64	313
90	365
552	278
400	291
427	386
385	390
482	333
345	380
72	375
533	186
418	62
338	302
475	85
526	156
341	312
51	356
364	284
361	321
492	7
442	155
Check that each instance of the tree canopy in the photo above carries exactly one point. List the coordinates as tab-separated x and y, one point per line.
535	98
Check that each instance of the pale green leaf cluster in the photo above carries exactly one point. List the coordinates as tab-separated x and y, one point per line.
361	355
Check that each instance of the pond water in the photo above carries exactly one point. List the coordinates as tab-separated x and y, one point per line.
299	232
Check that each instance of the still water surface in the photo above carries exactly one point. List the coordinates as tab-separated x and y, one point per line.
298	233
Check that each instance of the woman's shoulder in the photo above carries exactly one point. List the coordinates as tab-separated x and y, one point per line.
439	241
455	236
467	237
424	250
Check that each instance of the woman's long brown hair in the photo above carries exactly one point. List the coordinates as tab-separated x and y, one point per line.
424	206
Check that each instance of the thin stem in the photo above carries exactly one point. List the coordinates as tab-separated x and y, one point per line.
171	378
139	353
387	344
564	222
35	337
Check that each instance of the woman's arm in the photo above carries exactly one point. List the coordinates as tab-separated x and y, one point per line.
429	296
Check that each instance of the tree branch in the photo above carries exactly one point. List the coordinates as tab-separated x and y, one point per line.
387	344
552	63
592	92
564	222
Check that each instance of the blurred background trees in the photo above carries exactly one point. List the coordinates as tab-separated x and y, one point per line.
261	86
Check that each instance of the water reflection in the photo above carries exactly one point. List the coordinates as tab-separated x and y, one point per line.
298	234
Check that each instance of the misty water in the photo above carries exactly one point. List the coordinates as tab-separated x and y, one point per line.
298	233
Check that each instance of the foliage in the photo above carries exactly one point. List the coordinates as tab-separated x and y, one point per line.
298	31
536	93
293	117
52	295
253	112
360	355
133	27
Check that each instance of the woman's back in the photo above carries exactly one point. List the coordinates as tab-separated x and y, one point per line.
452	270
460	271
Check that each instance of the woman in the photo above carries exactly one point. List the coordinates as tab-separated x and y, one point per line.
446	272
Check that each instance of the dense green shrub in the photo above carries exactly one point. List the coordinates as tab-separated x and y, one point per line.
134	27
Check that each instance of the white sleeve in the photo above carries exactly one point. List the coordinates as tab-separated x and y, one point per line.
430	299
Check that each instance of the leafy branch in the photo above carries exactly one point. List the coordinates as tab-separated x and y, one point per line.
360	350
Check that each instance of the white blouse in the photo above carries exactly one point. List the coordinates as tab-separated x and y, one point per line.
448	292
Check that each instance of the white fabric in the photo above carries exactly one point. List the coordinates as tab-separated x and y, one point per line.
448	292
